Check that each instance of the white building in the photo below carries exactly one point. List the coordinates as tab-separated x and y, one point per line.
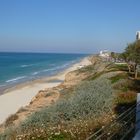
104	53
138	35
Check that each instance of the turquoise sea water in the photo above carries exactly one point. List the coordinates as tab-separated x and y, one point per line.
20	67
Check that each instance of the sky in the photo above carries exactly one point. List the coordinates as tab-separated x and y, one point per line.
68	26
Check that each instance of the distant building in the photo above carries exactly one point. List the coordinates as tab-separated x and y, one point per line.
104	53
138	35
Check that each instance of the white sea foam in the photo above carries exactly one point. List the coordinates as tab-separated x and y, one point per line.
24	66
57	68
2	85
52	69
35	73
15	79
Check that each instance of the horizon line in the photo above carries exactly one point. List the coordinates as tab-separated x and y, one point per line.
44	52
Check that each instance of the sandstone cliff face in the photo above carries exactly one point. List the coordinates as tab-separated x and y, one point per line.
76	76
72	78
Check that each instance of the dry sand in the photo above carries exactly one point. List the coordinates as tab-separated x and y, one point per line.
21	95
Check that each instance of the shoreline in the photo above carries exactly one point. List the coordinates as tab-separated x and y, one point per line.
20	95
41	79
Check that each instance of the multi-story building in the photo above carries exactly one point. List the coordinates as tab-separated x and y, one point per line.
138	35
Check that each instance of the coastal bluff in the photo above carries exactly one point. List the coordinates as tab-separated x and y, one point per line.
87	98
48	96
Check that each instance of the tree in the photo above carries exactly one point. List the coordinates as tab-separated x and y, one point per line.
132	56
124	56
113	56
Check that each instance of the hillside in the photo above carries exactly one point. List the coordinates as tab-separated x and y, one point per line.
86	101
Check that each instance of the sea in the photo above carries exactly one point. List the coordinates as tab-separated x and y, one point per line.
17	68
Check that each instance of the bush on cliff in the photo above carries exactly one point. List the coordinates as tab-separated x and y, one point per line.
89	100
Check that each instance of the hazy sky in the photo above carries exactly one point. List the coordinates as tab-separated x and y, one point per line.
79	26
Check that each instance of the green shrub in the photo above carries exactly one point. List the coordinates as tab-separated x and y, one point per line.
116	67
118	77
126	98
58	136
124	101
89	99
9	134
73	116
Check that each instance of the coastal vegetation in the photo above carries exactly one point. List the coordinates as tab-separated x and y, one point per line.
97	100
131	55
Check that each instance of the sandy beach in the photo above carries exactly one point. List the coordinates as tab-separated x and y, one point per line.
21	95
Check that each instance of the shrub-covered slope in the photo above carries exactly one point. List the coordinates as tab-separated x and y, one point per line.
82	109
